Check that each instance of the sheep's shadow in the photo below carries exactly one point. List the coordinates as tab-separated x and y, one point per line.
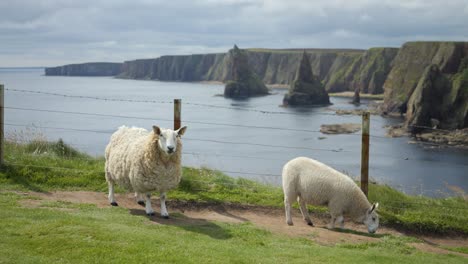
359	233
195	225
222	211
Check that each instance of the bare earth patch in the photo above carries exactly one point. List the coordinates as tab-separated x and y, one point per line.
271	219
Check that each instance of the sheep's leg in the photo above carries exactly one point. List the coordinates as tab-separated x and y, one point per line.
340	220
164	212
304	211
139	198
148	208
111	193
287	208
331	225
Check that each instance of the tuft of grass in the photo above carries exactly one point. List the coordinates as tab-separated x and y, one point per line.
419	213
29	169
42	166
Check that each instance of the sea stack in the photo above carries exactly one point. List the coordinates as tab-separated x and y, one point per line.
356	98
243	81
306	89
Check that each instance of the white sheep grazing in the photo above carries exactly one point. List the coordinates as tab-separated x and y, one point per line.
313	182
143	162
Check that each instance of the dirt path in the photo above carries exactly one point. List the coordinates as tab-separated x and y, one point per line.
272	219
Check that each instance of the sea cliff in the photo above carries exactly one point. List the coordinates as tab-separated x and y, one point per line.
409	77
429	81
339	70
86	69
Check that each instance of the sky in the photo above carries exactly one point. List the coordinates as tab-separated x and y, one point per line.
57	32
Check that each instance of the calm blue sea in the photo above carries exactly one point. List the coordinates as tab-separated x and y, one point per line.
252	138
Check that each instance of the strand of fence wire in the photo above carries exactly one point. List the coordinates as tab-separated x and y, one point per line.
109	132
407	157
169	120
193	139
429	128
195	154
159	102
41	141
60	128
223	171
263	145
185	103
8	163
224	183
89	97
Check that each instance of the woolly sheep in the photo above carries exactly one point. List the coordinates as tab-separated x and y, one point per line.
310	181
142	162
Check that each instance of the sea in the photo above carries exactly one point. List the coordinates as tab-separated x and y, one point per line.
251	138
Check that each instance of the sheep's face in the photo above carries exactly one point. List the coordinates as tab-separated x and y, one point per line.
168	138
372	219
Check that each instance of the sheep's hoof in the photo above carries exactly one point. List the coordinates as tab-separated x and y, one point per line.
114	204
310	223
290	223
142	203
165	216
150	214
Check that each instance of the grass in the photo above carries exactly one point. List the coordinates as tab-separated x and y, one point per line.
61	231
463	250
50	166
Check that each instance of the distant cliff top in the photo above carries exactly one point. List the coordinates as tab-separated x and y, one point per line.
310	50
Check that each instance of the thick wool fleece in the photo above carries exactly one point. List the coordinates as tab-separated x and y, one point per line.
135	161
319	184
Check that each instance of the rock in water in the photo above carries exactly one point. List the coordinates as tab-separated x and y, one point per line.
356	97
306	89
243	82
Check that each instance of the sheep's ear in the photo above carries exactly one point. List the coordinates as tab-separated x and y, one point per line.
157	130
181	131
374	206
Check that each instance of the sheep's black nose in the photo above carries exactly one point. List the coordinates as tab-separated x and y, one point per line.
170	149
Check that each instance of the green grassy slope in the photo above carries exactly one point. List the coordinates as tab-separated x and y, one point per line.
41	166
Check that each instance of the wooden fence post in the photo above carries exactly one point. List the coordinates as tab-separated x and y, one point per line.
177	113
365	152
2	120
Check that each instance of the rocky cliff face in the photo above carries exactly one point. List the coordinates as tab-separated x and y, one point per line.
411	61
339	70
187	68
439	100
86	69
430	80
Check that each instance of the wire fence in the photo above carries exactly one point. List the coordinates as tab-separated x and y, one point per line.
223	142
340	150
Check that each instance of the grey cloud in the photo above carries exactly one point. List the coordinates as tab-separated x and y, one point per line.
59	32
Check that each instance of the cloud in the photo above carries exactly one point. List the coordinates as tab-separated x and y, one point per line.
53	32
